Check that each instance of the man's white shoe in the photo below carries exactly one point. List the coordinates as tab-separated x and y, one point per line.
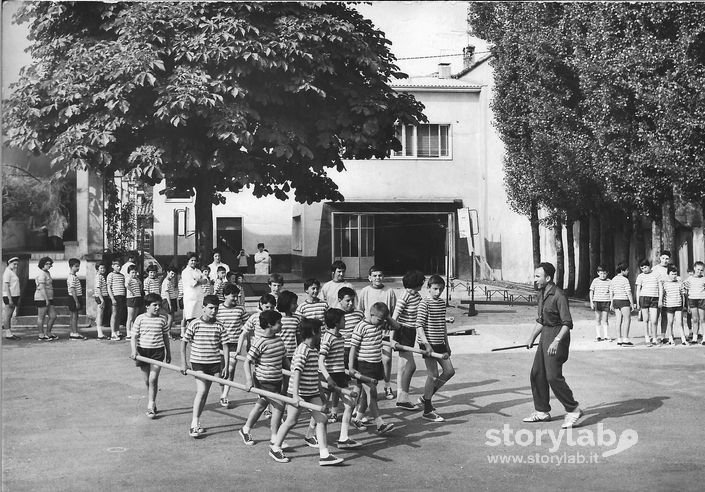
538	417
571	419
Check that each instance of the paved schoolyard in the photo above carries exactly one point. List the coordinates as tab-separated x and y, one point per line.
73	419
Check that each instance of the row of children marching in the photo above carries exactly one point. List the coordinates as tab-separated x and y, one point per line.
663	301
335	339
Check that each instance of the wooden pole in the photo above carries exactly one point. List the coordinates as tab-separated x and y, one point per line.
397	346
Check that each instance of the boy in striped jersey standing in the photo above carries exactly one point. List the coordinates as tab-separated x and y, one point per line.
76	292
117	292
622	303
135	301
648	294
600	303
672	302
205	335
102	300
151	340
405	314
151	283
433	337
312	307
696	300
169	295
232	316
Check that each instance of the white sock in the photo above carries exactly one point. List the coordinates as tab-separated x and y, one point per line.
402	396
379	421
344	427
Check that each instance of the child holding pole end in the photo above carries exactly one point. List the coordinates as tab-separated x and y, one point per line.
304	385
232	316
405	313
433	337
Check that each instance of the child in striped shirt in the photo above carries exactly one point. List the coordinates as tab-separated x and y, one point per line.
151	283
696	300
405	314
102	300
648	293
346	302
312	307
207	287
304	385
117	293
151	340
286	305
75	293
169	295
205	335
134	298
600	303
622	303
219	283
433	337
366	360
232	316
267	355
180	303
252	328
672	301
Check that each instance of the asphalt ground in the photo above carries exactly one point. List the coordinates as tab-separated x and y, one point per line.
73	419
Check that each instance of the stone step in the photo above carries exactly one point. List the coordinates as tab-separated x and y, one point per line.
61	319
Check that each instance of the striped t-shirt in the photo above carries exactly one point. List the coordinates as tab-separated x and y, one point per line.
232	318
267	354
289	332
315	309
205	338
672	292
151	286
620	288
116	284
696	287
333	349
600	290
305	361
134	288
180	288
207	288
252	325
74	285
351	321
101	286
218	286
168	289
431	317
150	331
649	283
368	340
406	309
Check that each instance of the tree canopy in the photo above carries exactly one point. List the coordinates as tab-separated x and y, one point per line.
214	97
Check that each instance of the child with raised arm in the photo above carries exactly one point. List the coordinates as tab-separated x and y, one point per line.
117	292
366	359
696	300
268	356
433	337
151	340
672	301
220	282
75	293
205	336
304	385
329	291
622	303
600	303
102	300
207	284
312	307
152	285
232	316
169	295
648	294
405	314
373	293
134	298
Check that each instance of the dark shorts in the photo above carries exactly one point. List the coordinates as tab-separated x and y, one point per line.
73	307
675	309
620	303
41	304
15	300
150	353
135	302
169	305
602	306
119	304
347	357
405	336
339	378
180	303
374	370
385	339
439	348
648	302
212	369
692	303
271	386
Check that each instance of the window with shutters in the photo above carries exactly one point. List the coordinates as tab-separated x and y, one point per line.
423	141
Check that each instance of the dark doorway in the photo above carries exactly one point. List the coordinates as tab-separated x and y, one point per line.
229	235
411	241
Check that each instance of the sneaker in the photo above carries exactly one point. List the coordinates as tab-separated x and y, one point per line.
358	424
347	444
267	414
329	460
194	432
285	445
683	342
311	442
627	344
384	428
278	456
407	405
538	417
421	401
115	338
246	438
332	418
671	341
433	417
224	402
388	393
571	419
152	413
598	339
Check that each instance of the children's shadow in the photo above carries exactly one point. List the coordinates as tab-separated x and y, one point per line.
623	408
395	438
174	411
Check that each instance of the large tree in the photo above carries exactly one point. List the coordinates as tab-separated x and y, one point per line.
214	97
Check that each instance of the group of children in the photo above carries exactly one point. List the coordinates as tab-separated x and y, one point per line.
662	300
326	350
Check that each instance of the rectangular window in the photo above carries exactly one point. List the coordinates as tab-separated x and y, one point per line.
297	236
173	195
424	141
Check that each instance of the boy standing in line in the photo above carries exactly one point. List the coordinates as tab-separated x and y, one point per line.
661	271
622	303
696	300
117	292
10	296
312	307
102	300
151	283
648	293
405	314
600	303
329	291
76	292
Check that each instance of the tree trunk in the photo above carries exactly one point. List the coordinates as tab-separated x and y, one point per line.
594	243
622	238
635	247
560	256
535	236
668	213
204	221
606	242
570	239
584	277
656	245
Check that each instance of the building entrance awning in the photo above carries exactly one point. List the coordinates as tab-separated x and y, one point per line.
397	207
